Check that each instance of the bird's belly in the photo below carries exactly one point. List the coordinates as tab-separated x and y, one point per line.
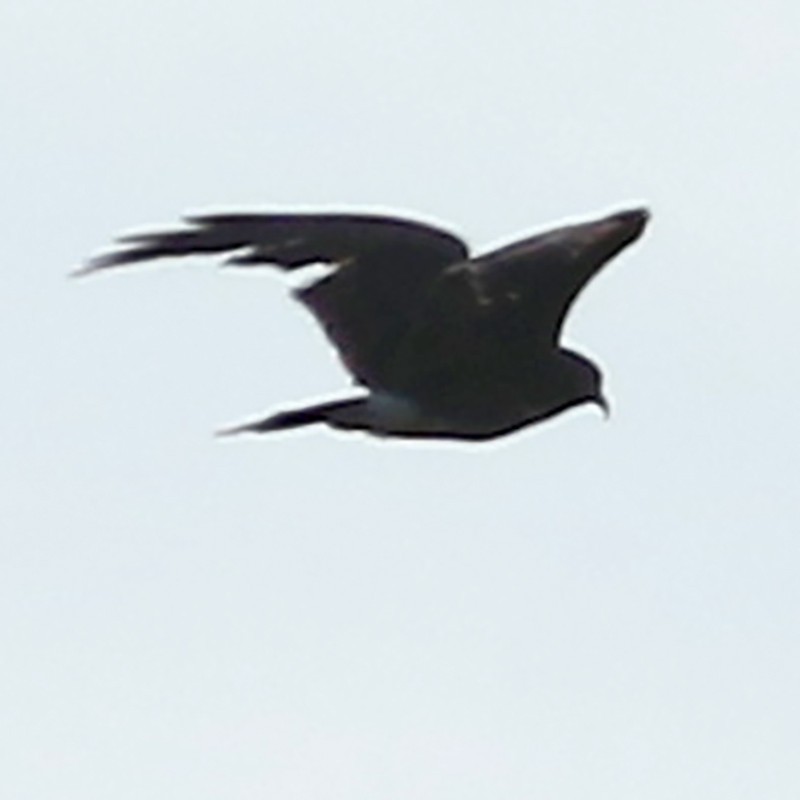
389	414
394	415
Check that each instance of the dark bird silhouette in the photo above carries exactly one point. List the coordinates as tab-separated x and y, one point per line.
445	345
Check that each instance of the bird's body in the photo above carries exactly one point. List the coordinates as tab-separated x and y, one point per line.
445	345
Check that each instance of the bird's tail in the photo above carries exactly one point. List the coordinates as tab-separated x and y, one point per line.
338	413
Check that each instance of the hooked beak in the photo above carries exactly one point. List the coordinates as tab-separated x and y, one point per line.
602	402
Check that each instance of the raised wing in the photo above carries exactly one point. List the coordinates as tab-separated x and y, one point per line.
384	266
531	284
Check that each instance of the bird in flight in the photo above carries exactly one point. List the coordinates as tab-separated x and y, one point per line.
443	344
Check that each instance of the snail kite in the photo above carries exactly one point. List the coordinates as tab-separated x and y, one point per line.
442	344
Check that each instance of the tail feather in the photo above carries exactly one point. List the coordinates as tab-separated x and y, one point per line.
296	418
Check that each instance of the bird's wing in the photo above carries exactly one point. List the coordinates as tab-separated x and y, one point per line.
383	266
531	284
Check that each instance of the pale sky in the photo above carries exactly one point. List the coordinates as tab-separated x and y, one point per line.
587	609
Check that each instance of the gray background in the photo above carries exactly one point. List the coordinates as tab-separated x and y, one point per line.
585	610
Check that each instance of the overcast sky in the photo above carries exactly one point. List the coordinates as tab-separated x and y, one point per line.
587	609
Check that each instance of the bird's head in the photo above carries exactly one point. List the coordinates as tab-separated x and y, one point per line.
582	381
